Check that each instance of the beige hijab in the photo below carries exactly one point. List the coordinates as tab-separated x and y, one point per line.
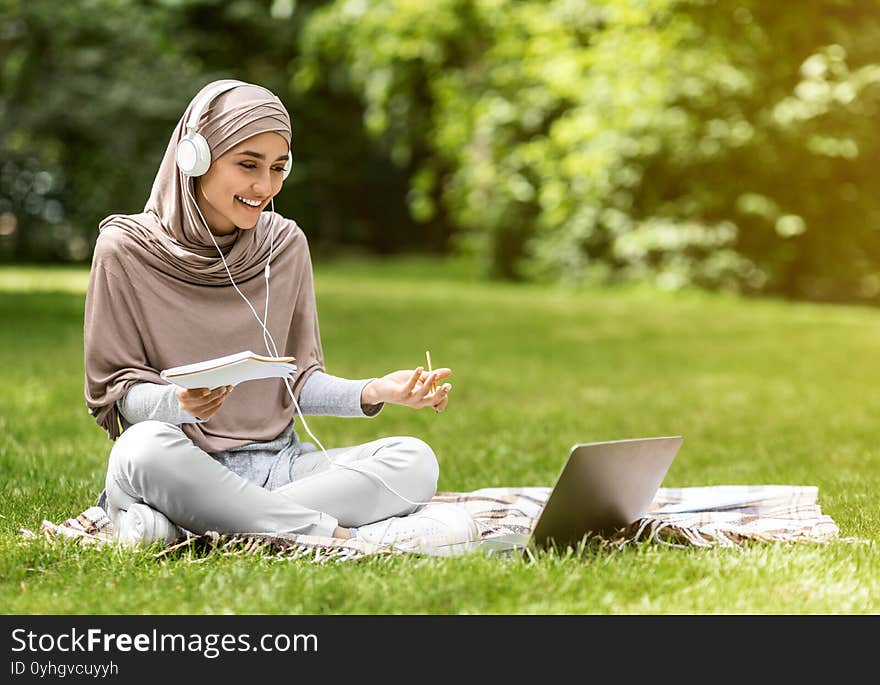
159	295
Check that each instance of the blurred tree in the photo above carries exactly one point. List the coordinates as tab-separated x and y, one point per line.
688	141
90	92
726	144
87	90
800	187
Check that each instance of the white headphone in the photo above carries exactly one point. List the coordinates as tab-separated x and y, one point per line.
193	152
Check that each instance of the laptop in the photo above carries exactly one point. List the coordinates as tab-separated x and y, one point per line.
602	487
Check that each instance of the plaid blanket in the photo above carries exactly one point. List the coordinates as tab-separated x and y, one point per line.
697	516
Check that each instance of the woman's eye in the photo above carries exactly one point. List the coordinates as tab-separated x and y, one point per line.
278	169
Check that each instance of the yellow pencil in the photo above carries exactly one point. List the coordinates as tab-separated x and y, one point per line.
428	358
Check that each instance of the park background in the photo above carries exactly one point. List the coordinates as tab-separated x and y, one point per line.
611	218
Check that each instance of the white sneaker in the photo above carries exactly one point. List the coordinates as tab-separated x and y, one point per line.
142	524
439	529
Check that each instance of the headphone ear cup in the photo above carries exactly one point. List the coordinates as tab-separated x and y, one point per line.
288	165
193	154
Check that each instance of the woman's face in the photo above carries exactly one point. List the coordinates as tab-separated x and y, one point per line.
252	171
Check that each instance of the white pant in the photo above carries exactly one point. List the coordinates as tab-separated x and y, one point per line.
156	463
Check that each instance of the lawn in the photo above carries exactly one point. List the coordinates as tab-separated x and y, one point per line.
763	391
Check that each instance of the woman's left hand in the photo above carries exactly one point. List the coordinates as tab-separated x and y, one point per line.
410	388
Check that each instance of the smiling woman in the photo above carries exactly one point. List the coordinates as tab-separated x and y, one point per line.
240	183
228	458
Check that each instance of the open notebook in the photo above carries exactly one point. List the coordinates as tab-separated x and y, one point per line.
230	370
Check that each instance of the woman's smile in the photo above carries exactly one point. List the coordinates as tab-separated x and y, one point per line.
249	204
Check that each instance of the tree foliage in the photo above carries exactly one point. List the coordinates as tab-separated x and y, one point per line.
90	92
727	144
721	143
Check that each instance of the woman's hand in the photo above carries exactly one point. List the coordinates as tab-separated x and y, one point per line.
202	403
410	388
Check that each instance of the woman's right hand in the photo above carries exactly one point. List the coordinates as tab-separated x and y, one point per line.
202	403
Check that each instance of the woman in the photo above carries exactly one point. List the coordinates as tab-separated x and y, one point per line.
175	285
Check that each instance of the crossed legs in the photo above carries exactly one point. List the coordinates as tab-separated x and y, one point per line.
156	464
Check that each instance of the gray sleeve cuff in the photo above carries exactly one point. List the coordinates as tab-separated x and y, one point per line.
326	395
153	402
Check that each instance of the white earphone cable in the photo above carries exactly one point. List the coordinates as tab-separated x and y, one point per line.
273	351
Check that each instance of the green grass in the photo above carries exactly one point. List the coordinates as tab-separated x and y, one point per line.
763	392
